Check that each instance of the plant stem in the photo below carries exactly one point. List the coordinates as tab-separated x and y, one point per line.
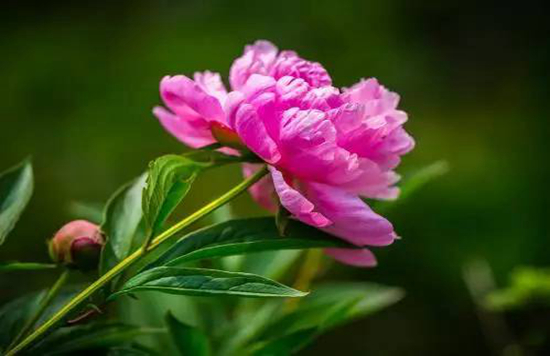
308	271
44	303
134	257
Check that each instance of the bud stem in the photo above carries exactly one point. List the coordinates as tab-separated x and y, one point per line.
134	257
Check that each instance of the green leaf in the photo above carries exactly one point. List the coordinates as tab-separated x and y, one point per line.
528	285
121	219
188	339
333	304
244	236
24	266
16	185
95	336
205	282
14	314
169	180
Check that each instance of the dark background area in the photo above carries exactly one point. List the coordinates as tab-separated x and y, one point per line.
78	81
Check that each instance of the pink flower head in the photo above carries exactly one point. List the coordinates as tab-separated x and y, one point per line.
77	244
326	148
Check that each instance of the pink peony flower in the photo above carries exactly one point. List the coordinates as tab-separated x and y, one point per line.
326	148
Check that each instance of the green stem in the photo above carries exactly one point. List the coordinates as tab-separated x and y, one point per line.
134	257
44	303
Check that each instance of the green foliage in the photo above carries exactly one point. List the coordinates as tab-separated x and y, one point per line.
16	186
14	314
242	236
96	336
24	266
328	306
122	217
205	282
527	286
188	339
168	182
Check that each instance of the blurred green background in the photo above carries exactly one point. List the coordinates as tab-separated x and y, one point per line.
79	80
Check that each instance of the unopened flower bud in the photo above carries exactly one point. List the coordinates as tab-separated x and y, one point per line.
77	245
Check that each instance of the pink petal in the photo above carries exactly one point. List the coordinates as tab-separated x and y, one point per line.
262	192
288	63
252	131
373	182
295	202
212	84
359	258
352	219
189	101
310	152
257	58
195	134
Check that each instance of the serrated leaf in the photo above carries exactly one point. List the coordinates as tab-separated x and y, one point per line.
169	180
16	185
24	266
188	339
95	336
122	217
244	236
333	304
205	282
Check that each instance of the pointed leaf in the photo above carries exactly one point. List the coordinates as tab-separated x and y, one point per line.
205	282
243	236
16	185
188	339
121	219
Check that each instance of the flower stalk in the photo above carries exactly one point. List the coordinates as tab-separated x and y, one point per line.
134	257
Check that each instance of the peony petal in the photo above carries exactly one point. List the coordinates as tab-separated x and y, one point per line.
358	258
308	145
288	63
254	134
256	59
262	192
373	182
212	84
353	220
195	134
295	202
189	101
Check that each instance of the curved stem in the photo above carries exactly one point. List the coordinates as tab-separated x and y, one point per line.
134	257
44	303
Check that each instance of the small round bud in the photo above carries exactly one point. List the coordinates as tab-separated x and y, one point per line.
77	245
